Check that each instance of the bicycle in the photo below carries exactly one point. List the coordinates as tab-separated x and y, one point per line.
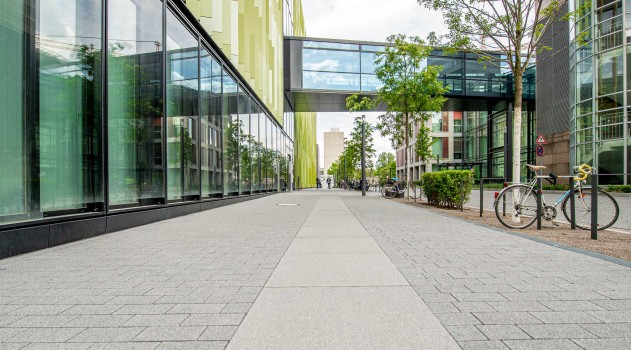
521	200
391	190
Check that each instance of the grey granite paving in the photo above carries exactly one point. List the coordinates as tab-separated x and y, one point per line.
497	291
185	283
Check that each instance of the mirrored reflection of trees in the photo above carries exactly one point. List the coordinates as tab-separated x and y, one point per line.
135	125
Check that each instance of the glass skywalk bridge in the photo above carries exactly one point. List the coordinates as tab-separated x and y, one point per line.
321	73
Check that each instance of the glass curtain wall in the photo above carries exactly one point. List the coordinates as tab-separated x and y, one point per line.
182	111
135	103
245	155
231	142
597	75
210	122
50	142
163	92
255	115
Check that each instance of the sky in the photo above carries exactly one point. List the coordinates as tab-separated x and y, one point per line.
367	20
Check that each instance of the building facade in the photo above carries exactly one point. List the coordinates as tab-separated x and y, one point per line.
123	112
600	85
333	147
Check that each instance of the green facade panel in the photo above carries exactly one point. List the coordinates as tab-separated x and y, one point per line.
305	150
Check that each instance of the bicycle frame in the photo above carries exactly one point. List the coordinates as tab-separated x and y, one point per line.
577	186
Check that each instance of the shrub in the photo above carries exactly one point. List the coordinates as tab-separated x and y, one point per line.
444	187
619	188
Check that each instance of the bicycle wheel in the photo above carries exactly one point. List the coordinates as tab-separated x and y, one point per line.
608	210
516	206
389	191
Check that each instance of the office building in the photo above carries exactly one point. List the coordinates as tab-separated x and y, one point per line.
333	147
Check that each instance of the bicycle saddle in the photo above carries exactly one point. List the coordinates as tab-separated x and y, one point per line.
535	167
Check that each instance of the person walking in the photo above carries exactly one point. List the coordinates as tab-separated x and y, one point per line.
318	183
328	182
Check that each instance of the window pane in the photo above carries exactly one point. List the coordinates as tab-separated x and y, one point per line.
245	156
328	45
135	102
330	61
610	75
182	110
230	136
256	147
50	143
210	94
330	81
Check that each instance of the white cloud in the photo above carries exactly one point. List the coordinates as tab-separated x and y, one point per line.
369	20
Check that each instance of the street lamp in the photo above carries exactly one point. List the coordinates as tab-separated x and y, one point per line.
363	184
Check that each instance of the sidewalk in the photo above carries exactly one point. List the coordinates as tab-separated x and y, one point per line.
338	271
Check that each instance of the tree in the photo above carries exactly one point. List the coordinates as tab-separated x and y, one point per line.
409	90
355	142
423	143
385	164
500	32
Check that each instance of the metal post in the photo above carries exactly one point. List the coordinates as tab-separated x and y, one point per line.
572	205
594	206
461	194
481	196
539	193
363	184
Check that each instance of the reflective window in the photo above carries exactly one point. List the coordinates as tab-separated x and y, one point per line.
50	142
210	122
231	142
135	108
182	111
328	45
245	155
330	81
330	61
255	114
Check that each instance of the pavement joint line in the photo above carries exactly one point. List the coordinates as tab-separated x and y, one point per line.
539	240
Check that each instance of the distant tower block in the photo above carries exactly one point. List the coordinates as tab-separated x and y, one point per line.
333	147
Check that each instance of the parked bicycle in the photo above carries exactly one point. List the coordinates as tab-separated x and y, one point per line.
516	205
391	190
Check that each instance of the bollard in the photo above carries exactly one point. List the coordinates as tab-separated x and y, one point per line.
539	211
594	207
481	196
461	194
572	205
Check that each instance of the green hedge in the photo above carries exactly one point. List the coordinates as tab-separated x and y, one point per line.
444	187
618	188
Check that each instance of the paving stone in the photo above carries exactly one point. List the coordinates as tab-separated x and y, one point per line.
612	316
571	305
155	320
457	319
506	318
502	332
218	333
99	321
537	344
518	306
465	332
474	306
107	335
604	344
464	297
45	335
609	330
548	331
214	319
483	345
48	321
233	308
565	317
209	345
439	308
196	309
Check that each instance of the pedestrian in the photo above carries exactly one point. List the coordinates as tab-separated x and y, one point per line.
318	183
328	182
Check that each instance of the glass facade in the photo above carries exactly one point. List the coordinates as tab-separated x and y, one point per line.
599	63
156	118
350	67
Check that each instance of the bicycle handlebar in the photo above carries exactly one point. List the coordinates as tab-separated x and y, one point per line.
584	170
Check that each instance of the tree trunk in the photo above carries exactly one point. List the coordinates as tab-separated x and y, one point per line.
517	107
407	169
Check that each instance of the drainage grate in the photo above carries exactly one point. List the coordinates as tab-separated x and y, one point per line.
287	204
